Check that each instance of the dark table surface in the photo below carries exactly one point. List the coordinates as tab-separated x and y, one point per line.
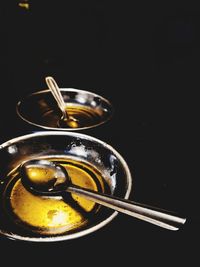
145	60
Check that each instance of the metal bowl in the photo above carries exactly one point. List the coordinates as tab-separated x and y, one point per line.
40	109
58	144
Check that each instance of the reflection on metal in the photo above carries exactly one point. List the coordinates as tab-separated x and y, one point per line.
24	4
12	149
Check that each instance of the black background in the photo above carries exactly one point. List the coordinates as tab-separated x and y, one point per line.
143	57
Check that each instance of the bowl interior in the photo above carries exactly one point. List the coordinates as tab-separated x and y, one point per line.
66	145
40	109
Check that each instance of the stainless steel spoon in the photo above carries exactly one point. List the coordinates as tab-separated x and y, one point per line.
65	119
54	180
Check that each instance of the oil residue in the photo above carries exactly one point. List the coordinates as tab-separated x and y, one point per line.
85	117
54	215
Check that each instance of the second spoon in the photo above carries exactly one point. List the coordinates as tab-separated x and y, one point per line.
66	119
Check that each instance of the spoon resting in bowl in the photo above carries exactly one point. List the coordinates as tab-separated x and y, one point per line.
56	182
66	119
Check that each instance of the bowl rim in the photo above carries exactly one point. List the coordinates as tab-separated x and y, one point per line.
20	102
84	231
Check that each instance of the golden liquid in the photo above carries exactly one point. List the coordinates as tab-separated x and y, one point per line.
54	215
85	117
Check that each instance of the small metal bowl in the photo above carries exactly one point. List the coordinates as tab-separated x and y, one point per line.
40	109
77	147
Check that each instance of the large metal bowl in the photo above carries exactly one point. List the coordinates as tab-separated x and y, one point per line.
99	154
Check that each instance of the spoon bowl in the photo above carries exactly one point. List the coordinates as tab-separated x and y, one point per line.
55	178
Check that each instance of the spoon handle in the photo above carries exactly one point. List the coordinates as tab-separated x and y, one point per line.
52	85
152	215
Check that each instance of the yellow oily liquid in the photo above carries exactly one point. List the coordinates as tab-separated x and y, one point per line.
85	117
55	215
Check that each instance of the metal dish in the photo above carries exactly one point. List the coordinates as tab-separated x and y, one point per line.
40	109
55	144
